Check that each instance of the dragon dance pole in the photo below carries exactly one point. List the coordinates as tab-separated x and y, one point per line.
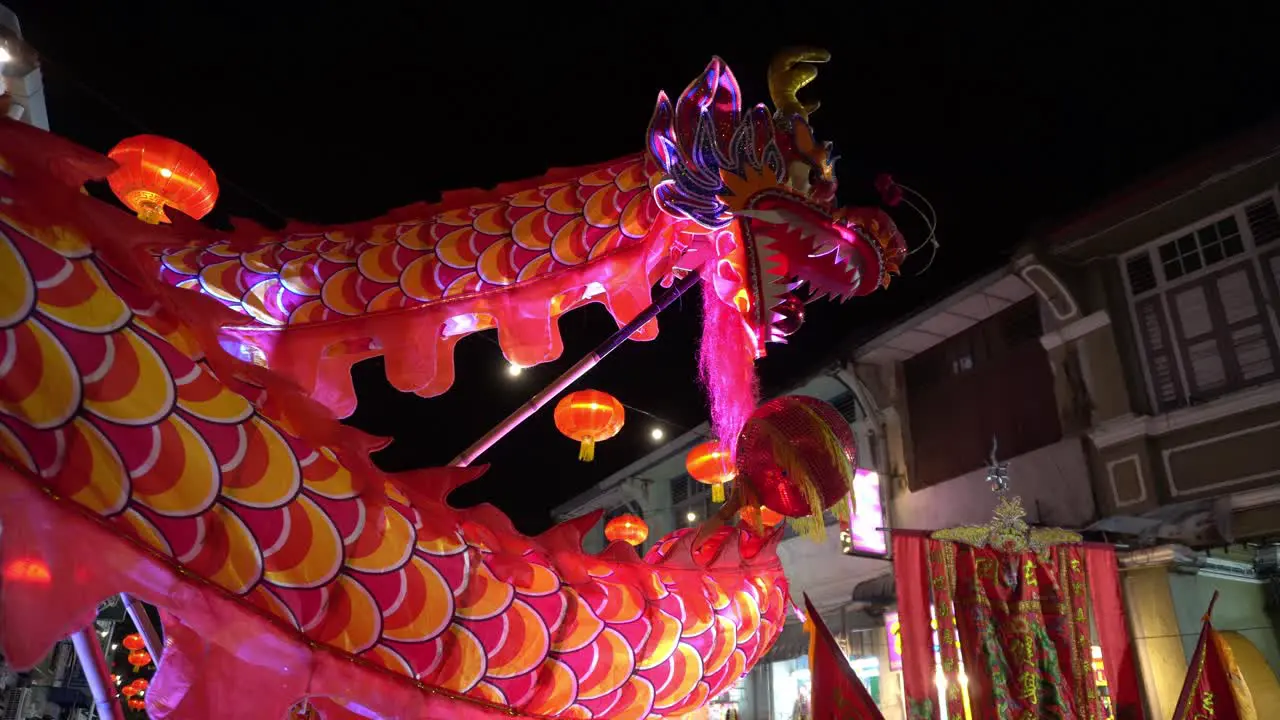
141	620
94	666
579	369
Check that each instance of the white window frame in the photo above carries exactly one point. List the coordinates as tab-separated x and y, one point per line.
1250	256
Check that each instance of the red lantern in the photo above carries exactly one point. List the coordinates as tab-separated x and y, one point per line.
139	658
589	416
141	683
137	704
129	691
710	464
798	455
133	641
627	528
155	172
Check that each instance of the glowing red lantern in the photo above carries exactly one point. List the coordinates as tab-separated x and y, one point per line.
710	464
627	528
133	641
589	416
155	172
129	691
139	658
141	683
797	453
137	704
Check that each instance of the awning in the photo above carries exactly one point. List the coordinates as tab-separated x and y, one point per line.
879	590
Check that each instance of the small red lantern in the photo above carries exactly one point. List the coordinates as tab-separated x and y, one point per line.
137	704
589	416
156	171
710	464
133	641
129	691
139	658
141	683
627	528
798	455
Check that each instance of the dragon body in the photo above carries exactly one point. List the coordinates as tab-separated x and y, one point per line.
194	435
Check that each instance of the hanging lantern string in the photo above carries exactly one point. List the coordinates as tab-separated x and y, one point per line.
129	119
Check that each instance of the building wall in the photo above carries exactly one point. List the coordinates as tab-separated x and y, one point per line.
28	90
1241	608
1228	454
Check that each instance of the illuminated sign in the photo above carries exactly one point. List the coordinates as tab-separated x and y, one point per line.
893	637
864	534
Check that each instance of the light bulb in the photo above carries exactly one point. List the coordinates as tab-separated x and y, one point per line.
691	517
657	433
114	646
514	370
166	173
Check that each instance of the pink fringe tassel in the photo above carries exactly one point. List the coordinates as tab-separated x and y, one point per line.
726	367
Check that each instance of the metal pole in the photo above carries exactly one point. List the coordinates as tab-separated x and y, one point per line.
579	369
94	665
141	620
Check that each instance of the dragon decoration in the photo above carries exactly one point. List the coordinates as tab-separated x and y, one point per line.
183	446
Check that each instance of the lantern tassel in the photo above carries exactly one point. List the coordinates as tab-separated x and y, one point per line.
717	493
587	451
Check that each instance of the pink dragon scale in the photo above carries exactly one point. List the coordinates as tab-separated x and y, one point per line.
183	446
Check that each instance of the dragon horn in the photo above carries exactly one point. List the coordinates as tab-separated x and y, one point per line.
791	70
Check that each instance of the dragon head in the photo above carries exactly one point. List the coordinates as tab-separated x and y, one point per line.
760	192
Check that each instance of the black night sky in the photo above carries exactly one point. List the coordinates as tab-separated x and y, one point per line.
1008	120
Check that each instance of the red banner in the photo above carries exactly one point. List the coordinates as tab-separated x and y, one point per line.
1118	659
837	692
911	574
1214	688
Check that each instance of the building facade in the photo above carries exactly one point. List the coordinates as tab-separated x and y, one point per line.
1126	368
20	77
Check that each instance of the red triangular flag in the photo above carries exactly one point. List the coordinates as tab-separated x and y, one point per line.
1214	687
838	694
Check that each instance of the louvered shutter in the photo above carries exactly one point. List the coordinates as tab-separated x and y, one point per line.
1154	336
1264	221
1248	338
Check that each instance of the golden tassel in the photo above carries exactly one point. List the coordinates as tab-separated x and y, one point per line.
587	451
717	493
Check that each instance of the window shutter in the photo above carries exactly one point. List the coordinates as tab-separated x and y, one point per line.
1264	221
1248	337
1194	322
1141	272
1159	351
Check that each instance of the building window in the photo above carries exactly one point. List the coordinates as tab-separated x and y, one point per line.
1199	305
991	380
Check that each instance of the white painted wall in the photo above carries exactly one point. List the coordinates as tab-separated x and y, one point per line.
27	91
821	570
1053	482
